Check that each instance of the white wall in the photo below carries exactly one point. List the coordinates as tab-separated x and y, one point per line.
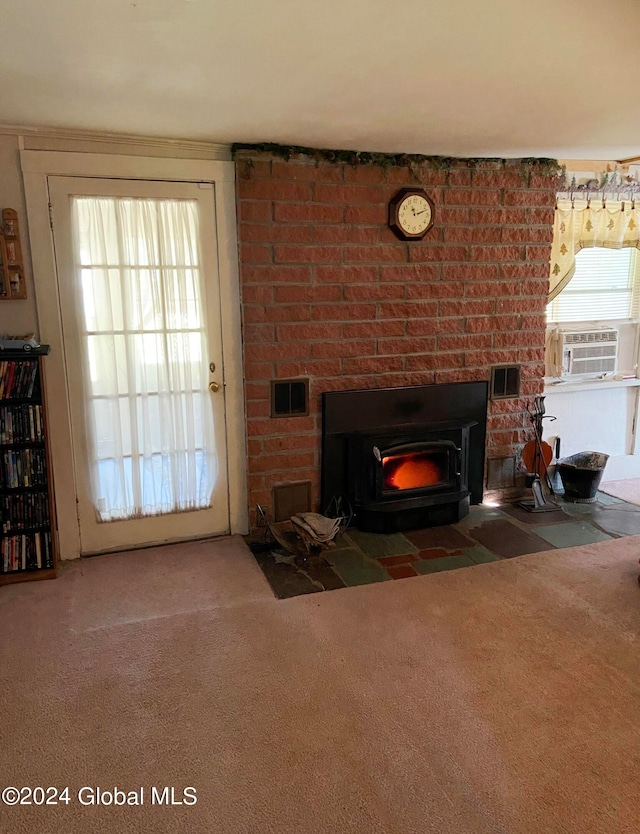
597	419
598	415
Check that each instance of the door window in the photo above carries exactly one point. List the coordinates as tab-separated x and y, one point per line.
149	422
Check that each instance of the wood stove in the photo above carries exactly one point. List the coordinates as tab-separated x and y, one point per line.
405	457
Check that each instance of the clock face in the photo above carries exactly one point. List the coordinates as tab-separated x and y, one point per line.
414	214
410	213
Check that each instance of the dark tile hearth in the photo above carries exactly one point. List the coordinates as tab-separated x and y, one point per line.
287	580
505	539
448	536
617	521
526	517
487	534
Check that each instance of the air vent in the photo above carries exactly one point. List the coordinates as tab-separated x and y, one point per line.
501	472
289	397
591	337
505	381
290	499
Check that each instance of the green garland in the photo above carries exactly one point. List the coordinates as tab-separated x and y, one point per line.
529	165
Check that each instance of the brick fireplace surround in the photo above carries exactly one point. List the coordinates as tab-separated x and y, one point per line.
329	293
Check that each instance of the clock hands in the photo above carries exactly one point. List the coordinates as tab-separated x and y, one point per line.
420	212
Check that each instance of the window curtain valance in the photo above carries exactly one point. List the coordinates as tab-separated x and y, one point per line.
578	224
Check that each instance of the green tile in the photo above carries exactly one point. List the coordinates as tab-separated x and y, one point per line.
377	545
341	541
618	519
573	509
446	563
478	514
571	534
480	554
354	568
603	498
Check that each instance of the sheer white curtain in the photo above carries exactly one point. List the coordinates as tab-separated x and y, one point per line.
149	420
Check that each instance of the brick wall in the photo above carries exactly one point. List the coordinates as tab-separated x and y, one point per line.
330	293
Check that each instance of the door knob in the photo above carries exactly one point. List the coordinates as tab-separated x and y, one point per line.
213	387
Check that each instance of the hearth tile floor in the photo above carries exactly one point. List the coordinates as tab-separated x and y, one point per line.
447	536
355	566
617	521
571	534
487	534
502	537
377	546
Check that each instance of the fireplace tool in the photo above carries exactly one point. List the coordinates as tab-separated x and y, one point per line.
537	456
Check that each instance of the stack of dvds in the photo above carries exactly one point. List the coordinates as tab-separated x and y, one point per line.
24	511
18	379
26	552
21	423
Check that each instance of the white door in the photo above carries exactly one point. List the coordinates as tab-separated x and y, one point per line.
139	293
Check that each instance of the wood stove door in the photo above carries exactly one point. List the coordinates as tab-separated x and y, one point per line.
415	468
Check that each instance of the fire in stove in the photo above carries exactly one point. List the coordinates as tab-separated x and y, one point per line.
414	470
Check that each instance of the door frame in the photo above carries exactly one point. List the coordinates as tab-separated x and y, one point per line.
37	166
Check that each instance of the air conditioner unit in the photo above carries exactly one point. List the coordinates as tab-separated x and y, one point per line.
586	352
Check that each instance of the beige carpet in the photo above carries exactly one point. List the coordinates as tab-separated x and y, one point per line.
498	698
628	490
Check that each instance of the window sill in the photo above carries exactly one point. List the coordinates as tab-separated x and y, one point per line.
551	386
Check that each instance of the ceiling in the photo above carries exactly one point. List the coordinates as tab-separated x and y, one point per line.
498	78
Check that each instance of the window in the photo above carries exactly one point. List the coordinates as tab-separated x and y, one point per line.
144	335
605	286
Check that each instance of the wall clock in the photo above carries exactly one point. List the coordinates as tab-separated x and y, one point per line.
411	213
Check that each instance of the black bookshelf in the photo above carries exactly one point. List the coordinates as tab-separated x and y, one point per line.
28	540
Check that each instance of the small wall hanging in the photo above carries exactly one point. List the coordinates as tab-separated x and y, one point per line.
12	282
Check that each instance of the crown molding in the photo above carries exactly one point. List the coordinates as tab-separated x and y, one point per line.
216	150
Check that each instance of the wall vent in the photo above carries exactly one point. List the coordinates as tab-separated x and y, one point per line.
289	397
290	499
501	472
505	382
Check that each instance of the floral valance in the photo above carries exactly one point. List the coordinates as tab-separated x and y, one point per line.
614	224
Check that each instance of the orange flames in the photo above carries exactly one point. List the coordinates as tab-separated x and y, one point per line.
410	471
